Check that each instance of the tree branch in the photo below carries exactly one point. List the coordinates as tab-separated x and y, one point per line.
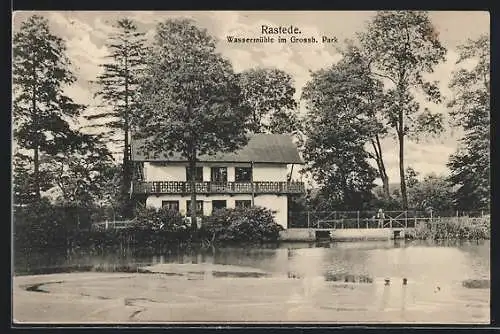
384	76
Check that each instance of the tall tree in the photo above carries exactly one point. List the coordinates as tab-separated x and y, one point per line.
470	109
402	46
41	70
369	92
337	129
190	97
119	88
269	94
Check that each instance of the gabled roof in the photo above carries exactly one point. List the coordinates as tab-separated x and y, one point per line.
263	148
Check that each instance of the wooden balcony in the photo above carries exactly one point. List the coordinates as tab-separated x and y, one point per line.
184	188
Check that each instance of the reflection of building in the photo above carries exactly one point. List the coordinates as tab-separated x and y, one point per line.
255	174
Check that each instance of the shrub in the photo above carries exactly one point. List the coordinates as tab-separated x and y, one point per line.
40	225
453	228
253	225
159	219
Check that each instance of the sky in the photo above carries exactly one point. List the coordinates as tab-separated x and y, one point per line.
86	33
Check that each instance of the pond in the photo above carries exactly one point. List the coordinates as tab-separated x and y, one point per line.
349	282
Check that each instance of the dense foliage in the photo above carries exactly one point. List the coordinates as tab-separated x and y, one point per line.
433	192
162	219
453	228
248	225
269	94
41	71
470	165
338	124
24	183
81	175
50	152
43	226
40	225
191	101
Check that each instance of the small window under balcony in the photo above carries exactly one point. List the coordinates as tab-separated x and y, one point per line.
219	204
243	203
170	205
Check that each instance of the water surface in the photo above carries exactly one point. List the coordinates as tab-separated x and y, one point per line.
350	281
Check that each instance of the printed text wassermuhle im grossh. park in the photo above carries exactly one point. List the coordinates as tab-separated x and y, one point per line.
280	34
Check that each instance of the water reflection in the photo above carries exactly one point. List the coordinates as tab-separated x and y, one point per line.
417	261
347	278
388	276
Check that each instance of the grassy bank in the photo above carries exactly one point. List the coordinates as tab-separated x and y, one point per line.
446	228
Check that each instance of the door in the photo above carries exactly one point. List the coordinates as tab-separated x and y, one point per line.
218	178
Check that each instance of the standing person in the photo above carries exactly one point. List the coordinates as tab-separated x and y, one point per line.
380	218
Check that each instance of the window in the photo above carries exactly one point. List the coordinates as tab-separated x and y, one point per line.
218	174
218	204
199	208
243	203
243	174
198	176
170	205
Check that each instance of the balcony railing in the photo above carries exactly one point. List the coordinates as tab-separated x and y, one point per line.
179	187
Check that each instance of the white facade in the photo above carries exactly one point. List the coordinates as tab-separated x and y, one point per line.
277	203
270	172
177	171
157	172
261	173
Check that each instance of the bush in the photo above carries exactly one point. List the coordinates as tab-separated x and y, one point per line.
159	219
453	228
252	225
44	227
40	225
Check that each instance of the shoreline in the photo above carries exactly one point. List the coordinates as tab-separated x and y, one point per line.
131	260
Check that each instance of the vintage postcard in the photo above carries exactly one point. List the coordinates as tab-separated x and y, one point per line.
245	167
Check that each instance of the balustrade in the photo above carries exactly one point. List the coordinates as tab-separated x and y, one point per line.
182	187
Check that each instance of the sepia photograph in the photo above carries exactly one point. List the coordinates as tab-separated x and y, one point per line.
250	167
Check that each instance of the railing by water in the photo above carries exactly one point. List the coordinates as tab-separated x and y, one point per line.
344	219
369	219
181	187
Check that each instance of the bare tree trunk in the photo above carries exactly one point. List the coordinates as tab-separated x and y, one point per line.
381	166
36	162
401	162
385	184
401	127
385	178
192	184
126	158
36	148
